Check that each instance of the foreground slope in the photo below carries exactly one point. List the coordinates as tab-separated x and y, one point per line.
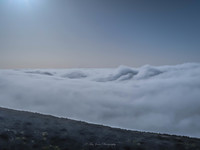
24	130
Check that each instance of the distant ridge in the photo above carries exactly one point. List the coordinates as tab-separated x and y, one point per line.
20	130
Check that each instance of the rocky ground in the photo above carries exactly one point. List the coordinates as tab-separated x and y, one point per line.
21	130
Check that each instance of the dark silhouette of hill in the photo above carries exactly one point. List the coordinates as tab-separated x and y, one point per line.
21	130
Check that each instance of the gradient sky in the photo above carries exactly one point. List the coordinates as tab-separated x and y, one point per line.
98	33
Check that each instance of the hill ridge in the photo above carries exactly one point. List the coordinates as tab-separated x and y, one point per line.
28	130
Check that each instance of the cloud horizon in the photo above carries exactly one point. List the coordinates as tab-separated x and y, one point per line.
162	99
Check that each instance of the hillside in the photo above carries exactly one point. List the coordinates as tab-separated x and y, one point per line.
24	130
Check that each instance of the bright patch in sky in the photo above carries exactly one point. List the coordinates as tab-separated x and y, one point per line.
20	2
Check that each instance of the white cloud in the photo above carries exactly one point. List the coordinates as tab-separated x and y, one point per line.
162	99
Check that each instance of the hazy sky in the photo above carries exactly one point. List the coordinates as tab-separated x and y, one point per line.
98	33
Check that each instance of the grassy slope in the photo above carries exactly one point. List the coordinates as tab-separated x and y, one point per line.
24	130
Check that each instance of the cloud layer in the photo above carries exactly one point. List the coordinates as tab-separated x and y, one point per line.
162	99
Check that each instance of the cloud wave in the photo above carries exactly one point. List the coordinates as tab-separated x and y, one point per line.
162	99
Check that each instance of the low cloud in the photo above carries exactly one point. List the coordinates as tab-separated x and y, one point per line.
163	99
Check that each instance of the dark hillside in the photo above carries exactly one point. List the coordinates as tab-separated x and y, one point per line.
21	130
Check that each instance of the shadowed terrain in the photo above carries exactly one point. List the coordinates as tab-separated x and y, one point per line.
24	130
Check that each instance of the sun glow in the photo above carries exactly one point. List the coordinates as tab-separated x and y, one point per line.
21	2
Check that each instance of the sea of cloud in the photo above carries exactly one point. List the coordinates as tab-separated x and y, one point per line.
163	99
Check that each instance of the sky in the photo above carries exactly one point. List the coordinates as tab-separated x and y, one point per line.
98	33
